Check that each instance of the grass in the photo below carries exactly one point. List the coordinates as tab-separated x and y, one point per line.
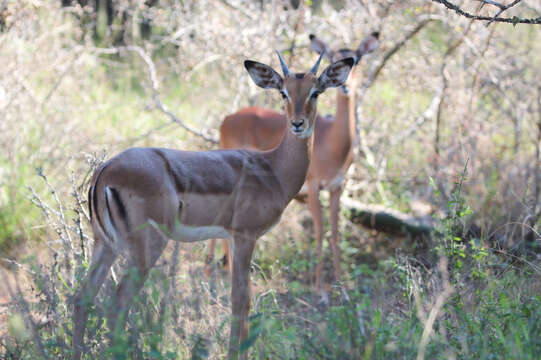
492	309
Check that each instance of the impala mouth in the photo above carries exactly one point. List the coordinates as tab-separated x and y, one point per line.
303	133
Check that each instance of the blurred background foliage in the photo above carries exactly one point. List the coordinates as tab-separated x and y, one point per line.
449	120
455	90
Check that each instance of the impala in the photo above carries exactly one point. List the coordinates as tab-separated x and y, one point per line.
144	196
334	138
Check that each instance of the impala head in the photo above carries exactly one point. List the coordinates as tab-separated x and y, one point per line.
300	90
368	45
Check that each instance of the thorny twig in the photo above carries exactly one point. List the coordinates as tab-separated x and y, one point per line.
79	209
501	6
67	239
514	20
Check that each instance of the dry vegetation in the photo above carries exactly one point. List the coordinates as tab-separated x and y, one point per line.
450	128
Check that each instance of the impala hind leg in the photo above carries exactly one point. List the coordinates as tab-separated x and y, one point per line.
143	256
227	255
240	294
335	235
210	257
102	260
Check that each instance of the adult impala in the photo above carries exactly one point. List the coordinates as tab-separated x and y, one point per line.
334	138
144	196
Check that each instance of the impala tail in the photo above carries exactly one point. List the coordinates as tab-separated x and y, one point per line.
104	221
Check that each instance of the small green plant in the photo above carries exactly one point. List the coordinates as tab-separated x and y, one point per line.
456	242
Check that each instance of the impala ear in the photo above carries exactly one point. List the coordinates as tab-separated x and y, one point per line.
319	46
336	74
263	75
369	44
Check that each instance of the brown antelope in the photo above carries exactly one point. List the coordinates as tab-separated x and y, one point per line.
144	196
334	138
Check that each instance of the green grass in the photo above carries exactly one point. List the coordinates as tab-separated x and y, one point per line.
499	323
493	311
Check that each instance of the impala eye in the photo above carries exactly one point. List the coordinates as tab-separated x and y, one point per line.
284	96
314	95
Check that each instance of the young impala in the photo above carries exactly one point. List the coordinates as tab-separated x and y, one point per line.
334	138
144	196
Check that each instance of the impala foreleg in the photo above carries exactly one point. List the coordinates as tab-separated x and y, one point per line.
240	294
102	259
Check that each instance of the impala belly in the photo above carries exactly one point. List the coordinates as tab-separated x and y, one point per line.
219	216
203	217
187	233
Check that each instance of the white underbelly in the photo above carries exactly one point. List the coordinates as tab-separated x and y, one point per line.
187	233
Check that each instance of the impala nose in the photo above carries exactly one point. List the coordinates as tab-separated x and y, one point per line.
297	124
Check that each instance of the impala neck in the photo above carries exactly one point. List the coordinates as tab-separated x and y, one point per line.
344	126
290	161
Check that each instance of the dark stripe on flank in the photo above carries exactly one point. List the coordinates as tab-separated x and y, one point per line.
178	185
109	209
120	205
95	198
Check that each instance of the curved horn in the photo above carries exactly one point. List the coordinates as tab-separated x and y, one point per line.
316	65
285	70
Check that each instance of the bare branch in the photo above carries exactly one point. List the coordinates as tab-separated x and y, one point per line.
423	21
490	2
511	20
151	68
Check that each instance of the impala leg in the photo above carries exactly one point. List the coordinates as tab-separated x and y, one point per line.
210	257
142	258
240	294
227	255
315	209
102	259
335	235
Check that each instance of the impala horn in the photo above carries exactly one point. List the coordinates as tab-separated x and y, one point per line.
285	70
316	66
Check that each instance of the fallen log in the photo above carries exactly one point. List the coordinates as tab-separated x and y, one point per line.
389	221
